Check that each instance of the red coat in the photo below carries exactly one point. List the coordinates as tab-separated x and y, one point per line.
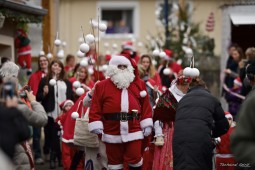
108	98
35	79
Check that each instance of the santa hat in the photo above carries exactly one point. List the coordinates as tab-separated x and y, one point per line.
228	115
119	60
64	103
128	45
238	82
182	80
169	55
108	57
9	70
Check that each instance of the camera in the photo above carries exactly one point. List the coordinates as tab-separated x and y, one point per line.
23	93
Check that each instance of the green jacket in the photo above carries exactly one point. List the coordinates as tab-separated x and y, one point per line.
243	137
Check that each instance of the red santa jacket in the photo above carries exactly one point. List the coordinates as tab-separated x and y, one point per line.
35	79
224	145
107	99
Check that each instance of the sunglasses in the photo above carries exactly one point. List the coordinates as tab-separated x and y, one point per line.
122	66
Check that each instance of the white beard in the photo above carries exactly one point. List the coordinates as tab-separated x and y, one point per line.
121	78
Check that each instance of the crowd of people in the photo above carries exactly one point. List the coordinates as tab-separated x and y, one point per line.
135	116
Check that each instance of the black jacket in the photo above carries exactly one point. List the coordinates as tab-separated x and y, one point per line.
48	101
199	118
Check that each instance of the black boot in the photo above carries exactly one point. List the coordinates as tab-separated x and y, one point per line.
135	168
52	160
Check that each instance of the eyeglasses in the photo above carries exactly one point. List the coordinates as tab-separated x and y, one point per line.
122	66
42	61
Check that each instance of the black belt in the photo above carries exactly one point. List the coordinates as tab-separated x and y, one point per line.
121	116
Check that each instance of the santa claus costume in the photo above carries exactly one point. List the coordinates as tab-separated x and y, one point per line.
121	113
22	44
224	158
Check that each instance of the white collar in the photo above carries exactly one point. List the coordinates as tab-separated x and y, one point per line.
178	94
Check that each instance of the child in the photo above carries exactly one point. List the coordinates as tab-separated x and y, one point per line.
233	99
224	158
67	151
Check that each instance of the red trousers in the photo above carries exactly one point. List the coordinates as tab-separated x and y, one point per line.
129	152
225	163
68	153
25	61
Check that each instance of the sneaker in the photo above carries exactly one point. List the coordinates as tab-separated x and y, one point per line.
39	161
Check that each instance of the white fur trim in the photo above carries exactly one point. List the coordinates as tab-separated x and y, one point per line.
238	83
143	93
113	167
123	127
119	60
24	53
149	84
122	138
95	125
67	140
229	116
140	163
146	123
124	108
59	123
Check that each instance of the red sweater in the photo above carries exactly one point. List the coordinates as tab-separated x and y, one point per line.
35	79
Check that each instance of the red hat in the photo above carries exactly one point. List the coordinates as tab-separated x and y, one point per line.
108	57
228	115
169	54
182	80
128	45
238	82
64	103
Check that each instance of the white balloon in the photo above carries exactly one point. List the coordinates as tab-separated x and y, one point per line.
79	91
75	115
155	53
194	72
49	55
167	71
81	40
102	27
52	82
89	38
60	54
162	54
90	71
41	53
154	62
84	63
57	42
63	43
76	84
84	47
80	54
114	46
187	72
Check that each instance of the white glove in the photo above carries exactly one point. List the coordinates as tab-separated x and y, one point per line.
97	131
158	128
147	131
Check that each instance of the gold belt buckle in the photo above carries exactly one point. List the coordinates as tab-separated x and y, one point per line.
135	114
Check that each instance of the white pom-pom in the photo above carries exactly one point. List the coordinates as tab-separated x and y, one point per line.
162	54
90	71
75	115
64	44
60	54
154	62
94	24
164	88
81	40
84	47
167	71
104	67
140	44
76	84
52	82
143	93
194	72
41	53
79	91
114	46
155	53
84	63
57	42
187	72
89	38
80	54
102	27
49	55
189	52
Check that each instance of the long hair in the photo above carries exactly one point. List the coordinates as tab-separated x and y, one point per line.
151	69
77	69
38	62
62	75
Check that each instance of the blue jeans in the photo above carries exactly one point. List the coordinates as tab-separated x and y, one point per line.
37	142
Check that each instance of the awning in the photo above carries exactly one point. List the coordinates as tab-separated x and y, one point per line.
243	18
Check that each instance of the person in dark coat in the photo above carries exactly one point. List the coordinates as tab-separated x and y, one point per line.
199	118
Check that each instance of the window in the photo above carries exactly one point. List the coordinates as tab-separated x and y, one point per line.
121	18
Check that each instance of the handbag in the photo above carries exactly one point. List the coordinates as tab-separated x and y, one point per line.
82	136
